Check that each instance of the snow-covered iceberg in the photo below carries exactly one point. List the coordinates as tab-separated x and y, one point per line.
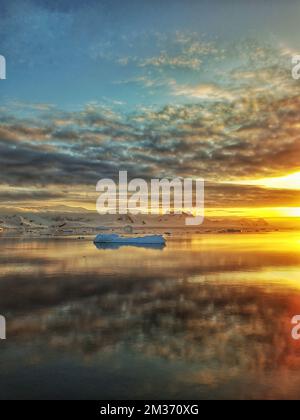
138	240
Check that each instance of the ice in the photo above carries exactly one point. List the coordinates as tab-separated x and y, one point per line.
114	238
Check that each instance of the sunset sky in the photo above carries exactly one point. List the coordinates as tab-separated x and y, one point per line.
158	88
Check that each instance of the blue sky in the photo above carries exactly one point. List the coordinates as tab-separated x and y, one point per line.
69	52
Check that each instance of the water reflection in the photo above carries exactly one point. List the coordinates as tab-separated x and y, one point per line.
209	317
118	246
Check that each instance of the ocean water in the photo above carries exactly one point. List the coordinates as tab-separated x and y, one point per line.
207	317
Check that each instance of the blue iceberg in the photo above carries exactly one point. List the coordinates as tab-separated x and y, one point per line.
139	240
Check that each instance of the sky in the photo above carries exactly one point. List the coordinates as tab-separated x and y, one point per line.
167	88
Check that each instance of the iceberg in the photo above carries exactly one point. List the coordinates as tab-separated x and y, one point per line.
139	240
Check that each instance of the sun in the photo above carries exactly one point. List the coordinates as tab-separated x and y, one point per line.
292	211
288	182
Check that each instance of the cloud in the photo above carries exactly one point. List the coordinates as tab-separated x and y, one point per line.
240	138
243	124
206	92
164	60
181	51
227	195
20	195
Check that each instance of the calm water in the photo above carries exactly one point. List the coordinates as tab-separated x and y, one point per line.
206	317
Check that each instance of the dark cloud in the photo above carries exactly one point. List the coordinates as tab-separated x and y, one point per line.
17	196
249	137
228	195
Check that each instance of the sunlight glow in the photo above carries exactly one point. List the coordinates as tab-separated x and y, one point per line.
254	212
287	182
